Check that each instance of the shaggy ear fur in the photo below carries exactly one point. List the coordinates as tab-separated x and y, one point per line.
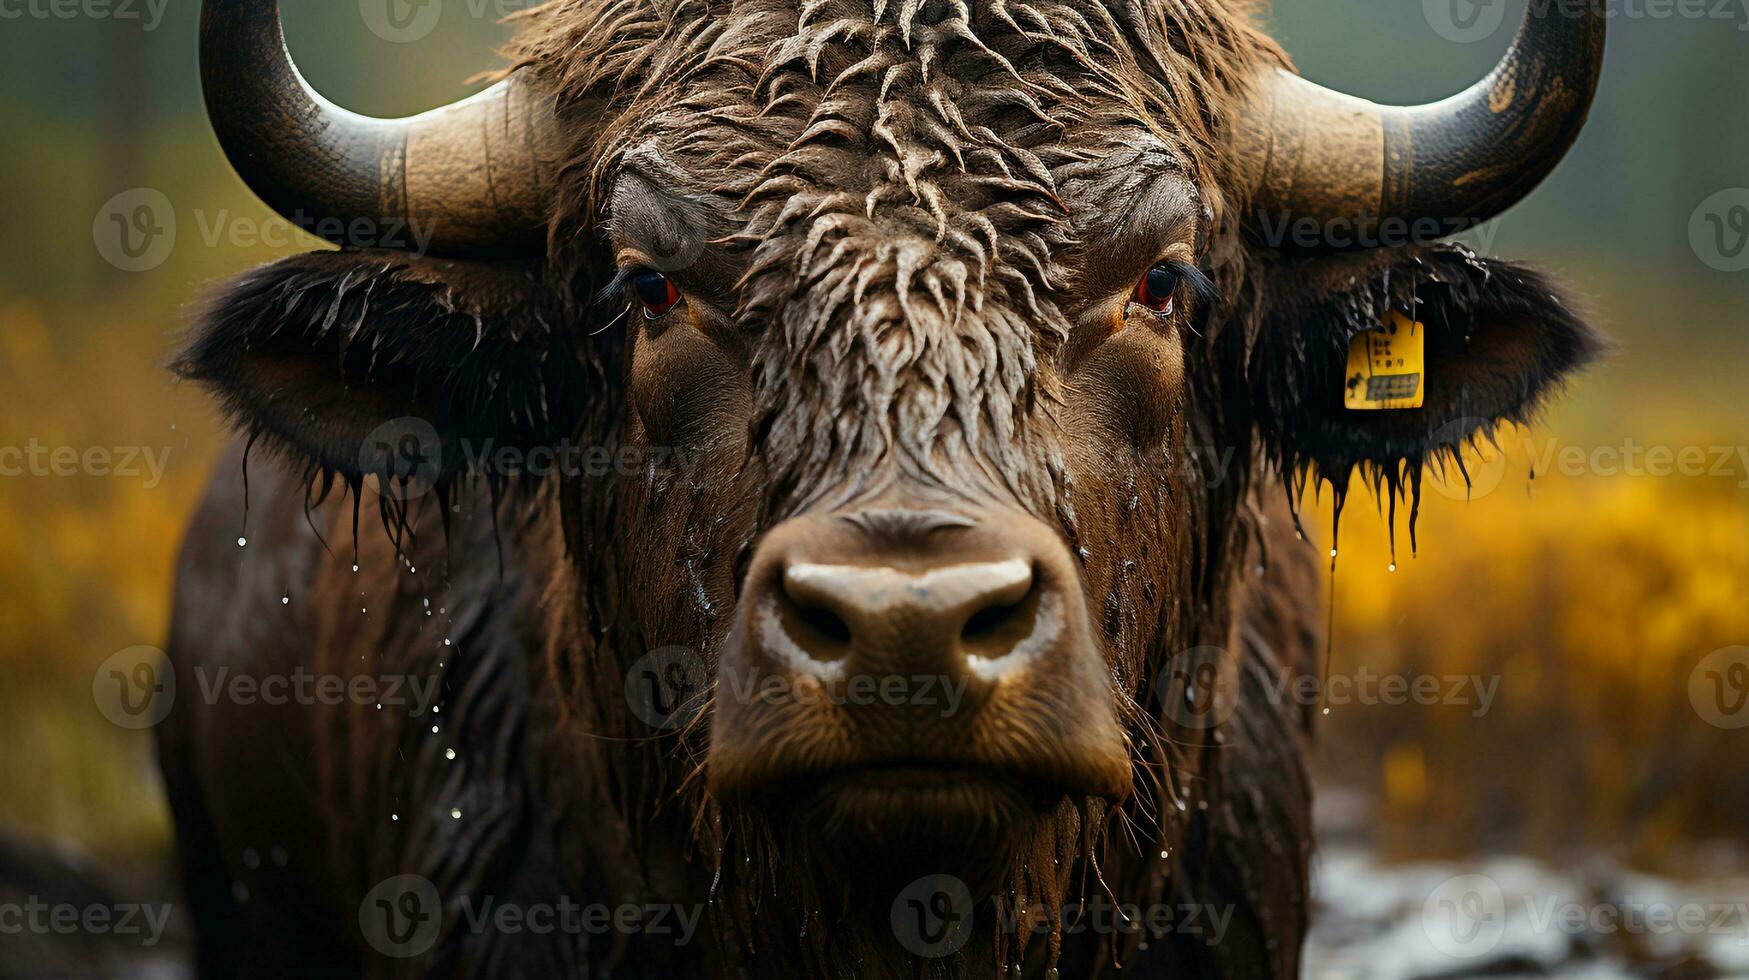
1500	339
315	353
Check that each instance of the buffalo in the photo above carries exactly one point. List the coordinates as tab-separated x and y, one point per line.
830	470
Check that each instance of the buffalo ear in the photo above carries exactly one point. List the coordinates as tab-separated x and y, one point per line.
334	359
1500	339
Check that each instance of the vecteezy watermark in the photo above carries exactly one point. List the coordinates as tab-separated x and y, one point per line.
149	13
575	460
1199	689
679	923
136	230
1718	687
406	21
1285	230
1470	21
670	686
1466	916
933	916
401	21
1364	687
136	687
36	917
1718	230
1484	463
403	457
129	462
403	916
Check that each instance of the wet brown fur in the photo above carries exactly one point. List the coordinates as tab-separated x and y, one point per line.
893	215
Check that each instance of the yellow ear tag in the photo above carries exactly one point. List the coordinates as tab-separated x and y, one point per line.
1387	368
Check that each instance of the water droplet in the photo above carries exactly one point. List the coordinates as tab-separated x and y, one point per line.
1392	566
434	729
285	600
392	816
1163	855
426	603
436	709
411	570
241	541
1333	552
355	568
449	753
455	813
362	609
1326	710
446	641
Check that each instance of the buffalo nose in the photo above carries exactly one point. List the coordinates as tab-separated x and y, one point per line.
911	593
907	637
957	617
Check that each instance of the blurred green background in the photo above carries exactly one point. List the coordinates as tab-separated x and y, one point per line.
1592	597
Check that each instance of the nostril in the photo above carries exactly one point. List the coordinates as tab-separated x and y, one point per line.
826	623
987	621
1005	616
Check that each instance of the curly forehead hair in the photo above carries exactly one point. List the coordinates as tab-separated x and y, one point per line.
941	106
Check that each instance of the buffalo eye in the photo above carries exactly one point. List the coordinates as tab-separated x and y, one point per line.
656	291
1157	288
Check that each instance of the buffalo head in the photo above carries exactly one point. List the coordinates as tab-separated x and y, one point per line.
983	328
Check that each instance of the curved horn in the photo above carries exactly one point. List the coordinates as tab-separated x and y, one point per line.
1308	152
471	175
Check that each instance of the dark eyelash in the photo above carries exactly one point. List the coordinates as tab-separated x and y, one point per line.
613	297
1207	294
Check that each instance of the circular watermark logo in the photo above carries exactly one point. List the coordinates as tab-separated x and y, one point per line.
402	916
1483	464
666	687
1718	231
401	21
404	457
1196	690
135	231
134	688
1718	687
1465	916
1465	21
932	916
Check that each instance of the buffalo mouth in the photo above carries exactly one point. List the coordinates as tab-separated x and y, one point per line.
893	803
890	821
921	806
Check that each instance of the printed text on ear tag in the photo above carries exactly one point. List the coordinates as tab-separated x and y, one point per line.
1387	368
